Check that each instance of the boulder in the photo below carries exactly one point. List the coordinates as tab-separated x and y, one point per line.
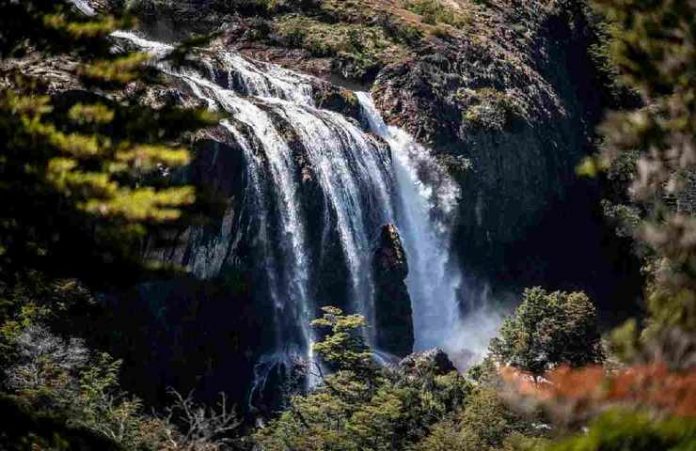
435	360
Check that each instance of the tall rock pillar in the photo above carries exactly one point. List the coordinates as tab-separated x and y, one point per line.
393	319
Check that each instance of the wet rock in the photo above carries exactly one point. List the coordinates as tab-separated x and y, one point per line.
337	99
207	248
433	360
297	59
393	320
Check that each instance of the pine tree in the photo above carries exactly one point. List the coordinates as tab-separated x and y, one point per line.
88	170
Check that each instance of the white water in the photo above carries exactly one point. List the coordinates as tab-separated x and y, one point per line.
288	280
361	187
267	80
283	248
84	7
427	207
354	177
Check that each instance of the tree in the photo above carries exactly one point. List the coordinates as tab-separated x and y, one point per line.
484	422
343	346
86	168
646	401
200	428
547	330
362	406
651	43
86	171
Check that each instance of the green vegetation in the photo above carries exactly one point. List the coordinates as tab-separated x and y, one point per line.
547	330
489	108
360	49
622	429
484	423
421	405
85	176
650	49
63	380
436	12
85	168
362	406
651	148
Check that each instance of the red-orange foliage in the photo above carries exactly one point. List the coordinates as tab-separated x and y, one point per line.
593	388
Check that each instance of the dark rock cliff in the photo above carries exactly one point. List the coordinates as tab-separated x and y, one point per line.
516	99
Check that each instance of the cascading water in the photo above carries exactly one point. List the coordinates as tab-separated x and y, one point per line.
274	193
354	177
351	169
427	200
361	187
286	261
84	7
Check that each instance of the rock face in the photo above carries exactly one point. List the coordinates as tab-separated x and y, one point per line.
392	301
208	248
506	92
519	108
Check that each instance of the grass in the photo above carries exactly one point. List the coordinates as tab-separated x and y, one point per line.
435	12
364	46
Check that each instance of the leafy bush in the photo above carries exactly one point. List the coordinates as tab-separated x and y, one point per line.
435	12
484	423
64	378
622	429
549	329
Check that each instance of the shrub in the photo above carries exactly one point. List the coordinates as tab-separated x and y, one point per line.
489	108
362	405
435	12
547	330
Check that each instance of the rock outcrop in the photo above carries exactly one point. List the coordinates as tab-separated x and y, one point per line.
392	301
516	96
434	361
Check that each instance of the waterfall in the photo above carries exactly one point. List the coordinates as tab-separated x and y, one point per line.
353	174
286	261
266	80
292	148
427	199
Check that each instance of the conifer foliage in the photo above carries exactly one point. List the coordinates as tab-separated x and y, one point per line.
86	168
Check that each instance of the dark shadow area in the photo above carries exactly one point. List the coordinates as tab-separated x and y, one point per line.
574	248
